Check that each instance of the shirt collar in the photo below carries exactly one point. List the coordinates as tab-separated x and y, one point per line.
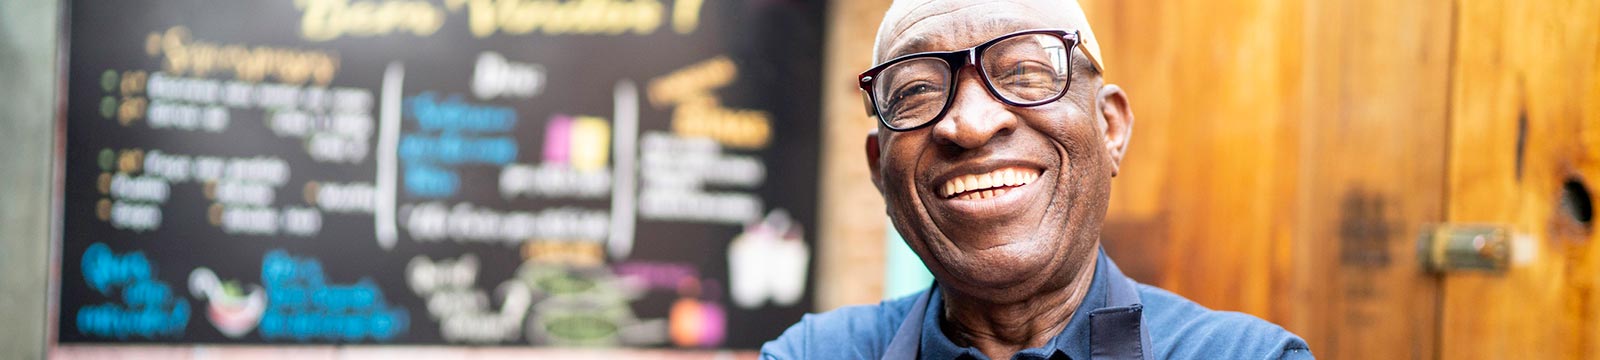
1073	341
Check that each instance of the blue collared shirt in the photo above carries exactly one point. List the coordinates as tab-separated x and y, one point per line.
1178	329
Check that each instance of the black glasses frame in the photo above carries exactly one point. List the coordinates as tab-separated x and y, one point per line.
958	60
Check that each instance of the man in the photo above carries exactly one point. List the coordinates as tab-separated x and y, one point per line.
997	174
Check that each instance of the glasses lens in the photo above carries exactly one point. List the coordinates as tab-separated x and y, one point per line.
1028	68
912	92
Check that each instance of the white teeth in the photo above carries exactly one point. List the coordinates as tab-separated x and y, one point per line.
965	184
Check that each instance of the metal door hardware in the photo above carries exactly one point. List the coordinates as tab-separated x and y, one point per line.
1446	248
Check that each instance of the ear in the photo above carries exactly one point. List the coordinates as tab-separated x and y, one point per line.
1117	116
872	158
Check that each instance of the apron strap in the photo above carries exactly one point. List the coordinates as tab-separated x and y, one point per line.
1117	330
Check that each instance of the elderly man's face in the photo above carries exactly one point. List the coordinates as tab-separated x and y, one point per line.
1033	182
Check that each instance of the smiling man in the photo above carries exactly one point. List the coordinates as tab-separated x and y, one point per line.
994	153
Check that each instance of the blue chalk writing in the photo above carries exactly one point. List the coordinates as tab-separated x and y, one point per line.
303	308
120	322
104	270
359	297
452	114
146	293
288	325
451	149
425	180
280	269
289	296
148	309
451	133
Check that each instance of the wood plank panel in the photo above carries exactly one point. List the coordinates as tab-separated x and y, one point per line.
1525	132
1283	157
1375	120
1204	204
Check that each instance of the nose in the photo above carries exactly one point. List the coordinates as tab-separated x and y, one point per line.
974	117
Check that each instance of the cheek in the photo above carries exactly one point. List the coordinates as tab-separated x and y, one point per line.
900	165
1067	125
899	178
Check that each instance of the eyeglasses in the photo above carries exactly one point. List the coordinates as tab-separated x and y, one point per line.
1023	69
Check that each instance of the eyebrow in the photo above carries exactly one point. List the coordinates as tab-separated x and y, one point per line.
912	46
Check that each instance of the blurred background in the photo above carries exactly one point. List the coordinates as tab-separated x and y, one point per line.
684	179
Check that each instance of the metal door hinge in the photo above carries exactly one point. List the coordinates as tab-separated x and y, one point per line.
1446	248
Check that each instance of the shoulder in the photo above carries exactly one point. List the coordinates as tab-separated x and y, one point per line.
852	332
1183	329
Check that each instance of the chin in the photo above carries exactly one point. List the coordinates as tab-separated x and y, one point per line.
1004	273
1029	262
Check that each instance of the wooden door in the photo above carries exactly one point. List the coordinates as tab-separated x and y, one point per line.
1284	156
1525	151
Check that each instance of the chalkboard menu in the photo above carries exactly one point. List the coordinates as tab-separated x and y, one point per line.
614	173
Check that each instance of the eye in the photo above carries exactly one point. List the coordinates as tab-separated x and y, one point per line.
911	90
1029	74
1028	81
915	101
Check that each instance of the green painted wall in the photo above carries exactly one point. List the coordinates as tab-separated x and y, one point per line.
28	39
903	270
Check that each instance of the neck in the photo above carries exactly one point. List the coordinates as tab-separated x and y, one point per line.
1000	330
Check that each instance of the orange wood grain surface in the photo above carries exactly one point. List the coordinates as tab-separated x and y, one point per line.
1525	121
1284	156
1214	87
1375	118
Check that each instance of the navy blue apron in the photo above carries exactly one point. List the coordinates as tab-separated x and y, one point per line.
1116	331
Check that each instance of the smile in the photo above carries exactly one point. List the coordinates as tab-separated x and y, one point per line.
987	185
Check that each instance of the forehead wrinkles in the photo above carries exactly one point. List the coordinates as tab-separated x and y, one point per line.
905	15
958	35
